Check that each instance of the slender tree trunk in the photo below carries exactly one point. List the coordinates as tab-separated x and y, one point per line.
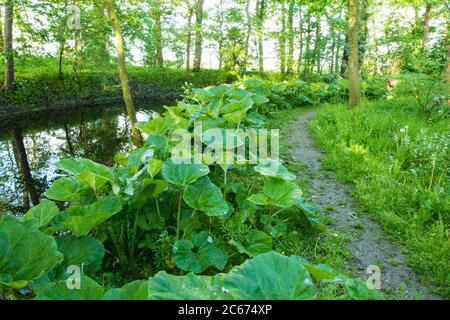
353	64
291	36
24	166
198	36
260	21
221	33
282	39
345	57
336	56
247	36
157	35
364	31
317	46
137	138
426	26
76	59
300	31
308	45
189	39
8	46
60	62
2	42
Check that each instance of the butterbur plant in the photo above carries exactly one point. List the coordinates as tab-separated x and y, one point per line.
150	211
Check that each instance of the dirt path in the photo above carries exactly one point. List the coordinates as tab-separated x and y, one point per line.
369	245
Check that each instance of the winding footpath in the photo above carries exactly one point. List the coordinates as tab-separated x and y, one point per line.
368	244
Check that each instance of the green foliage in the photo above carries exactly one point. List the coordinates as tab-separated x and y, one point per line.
150	210
397	160
25	253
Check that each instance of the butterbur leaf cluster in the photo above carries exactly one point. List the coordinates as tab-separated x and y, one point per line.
180	230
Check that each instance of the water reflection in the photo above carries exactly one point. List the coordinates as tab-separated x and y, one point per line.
29	151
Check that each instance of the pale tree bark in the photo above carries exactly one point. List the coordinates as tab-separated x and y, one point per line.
1	31
317	44
364	31
247	35
8	46
198	36
300	31
221	33
282	39
426	26
261	8
137	138
189	38
158	59
353	63
291	36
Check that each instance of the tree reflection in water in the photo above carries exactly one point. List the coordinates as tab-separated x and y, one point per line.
28	154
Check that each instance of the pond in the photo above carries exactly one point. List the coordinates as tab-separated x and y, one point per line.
97	133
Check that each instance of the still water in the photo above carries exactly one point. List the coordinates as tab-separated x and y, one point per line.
96	133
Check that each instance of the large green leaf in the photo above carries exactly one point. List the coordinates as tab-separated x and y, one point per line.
94	174
65	189
164	286
25	253
270	276
136	290
159	125
81	220
277	192
41	215
182	174
199	254
254	243
239	105
275	169
89	290
358	290
86	252
205	196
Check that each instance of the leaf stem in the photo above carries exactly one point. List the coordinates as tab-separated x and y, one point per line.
179	212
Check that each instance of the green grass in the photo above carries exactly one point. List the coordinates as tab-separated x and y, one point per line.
398	162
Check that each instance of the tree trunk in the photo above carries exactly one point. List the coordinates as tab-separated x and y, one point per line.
300	31
260	7
247	36
2	43
426	26
189	39
364	32
317	46
157	35
60	62
137	138
344	59
76	59
282	39
353	64
24	167
336	56
308	45
290	57
198	36
8	47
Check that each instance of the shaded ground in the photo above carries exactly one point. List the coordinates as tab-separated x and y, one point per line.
369	244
